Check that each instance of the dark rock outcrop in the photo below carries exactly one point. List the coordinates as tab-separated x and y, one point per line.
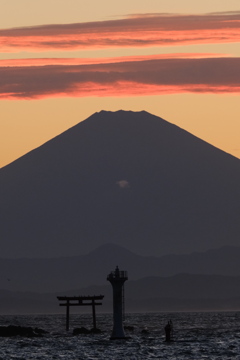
83	331
11	330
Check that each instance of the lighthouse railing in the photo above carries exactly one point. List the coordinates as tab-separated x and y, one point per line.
118	274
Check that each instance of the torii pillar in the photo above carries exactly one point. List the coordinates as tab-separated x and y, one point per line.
117	279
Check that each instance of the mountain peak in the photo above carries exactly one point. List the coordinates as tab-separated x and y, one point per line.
128	178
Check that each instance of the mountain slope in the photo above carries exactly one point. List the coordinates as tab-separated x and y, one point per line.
124	177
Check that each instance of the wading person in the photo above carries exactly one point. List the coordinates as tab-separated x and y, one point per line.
168	331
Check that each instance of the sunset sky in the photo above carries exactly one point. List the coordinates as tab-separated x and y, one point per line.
61	61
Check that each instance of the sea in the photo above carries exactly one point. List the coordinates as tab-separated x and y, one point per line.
196	335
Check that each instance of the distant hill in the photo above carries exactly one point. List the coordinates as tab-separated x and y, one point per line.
127	178
181	292
64	274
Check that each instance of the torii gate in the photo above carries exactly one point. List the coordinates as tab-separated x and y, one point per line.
80	301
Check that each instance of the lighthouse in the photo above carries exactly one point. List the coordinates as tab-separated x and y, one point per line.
117	279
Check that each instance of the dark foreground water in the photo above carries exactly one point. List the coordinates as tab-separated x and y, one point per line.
196	336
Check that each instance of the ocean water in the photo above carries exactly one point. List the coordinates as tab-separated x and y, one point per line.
209	335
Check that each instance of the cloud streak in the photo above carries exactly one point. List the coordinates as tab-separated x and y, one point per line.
135	31
128	77
88	61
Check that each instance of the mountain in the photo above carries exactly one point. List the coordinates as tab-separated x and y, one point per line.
127	178
183	292
67	273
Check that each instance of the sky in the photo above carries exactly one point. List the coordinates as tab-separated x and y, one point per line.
61	61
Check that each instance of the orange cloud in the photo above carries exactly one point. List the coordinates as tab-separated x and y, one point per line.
122	78
135	31
88	61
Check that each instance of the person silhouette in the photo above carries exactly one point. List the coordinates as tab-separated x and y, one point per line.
168	331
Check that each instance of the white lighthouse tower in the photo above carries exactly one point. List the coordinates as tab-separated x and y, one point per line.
117	279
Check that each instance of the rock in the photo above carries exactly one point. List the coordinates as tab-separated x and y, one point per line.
11	330
129	328
84	331
80	331
95	331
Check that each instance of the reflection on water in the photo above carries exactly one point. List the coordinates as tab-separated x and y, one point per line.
196	336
